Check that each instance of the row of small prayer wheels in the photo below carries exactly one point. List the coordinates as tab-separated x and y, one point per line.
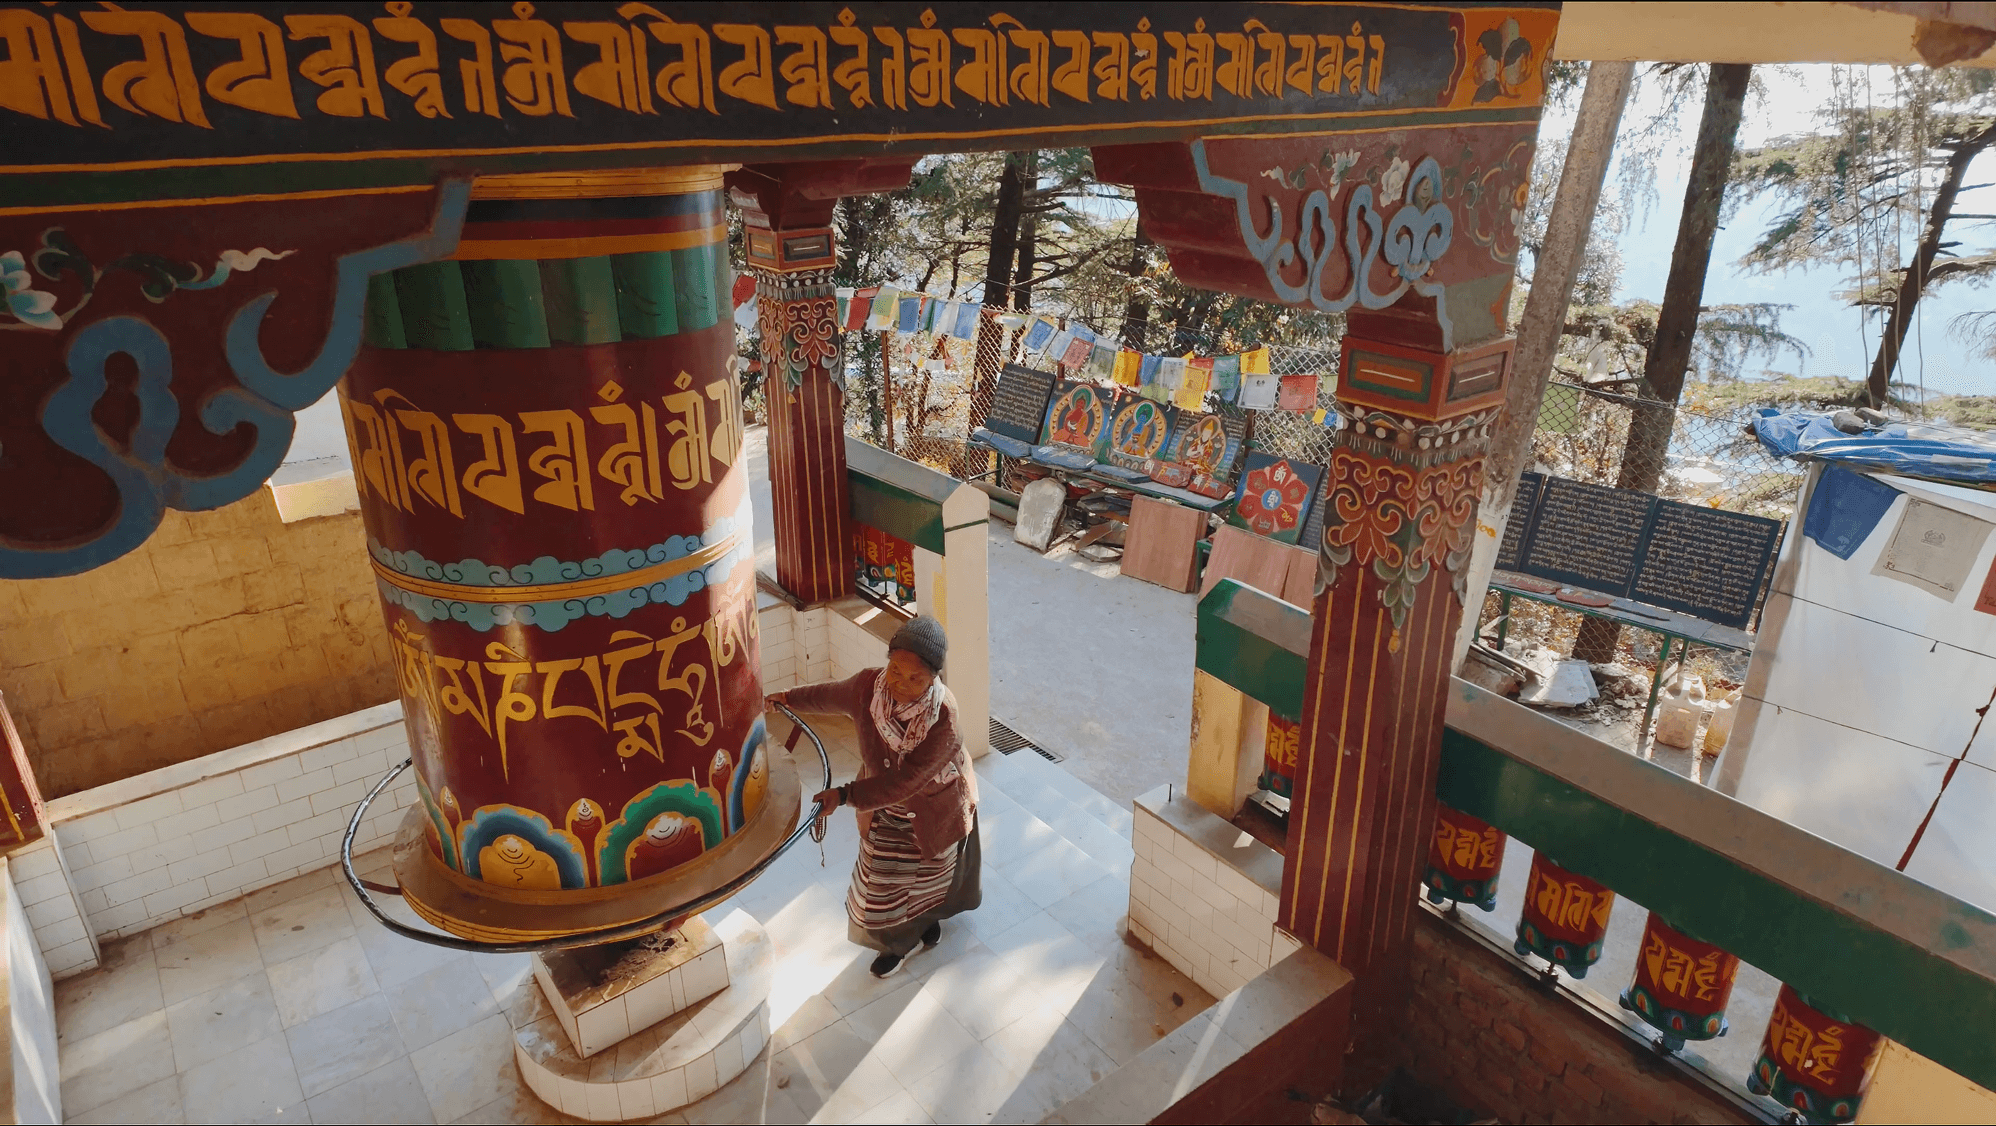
1813	1061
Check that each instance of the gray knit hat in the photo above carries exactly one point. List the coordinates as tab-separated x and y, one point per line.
924	638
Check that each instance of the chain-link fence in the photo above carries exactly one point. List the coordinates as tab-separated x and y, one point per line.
1605	438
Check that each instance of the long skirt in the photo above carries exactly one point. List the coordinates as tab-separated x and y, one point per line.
897	893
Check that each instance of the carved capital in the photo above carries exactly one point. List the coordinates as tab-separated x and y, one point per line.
797	317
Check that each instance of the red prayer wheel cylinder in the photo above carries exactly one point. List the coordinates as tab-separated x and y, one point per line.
1565	917
1464	860
1682	985
546	434
1813	1062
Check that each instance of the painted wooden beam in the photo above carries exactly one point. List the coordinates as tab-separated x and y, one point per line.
1256	642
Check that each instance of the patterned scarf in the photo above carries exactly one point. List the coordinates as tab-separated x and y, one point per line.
903	726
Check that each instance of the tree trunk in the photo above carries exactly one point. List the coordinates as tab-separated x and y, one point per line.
1029	239
998	263
1136	310
1669	357
1899	317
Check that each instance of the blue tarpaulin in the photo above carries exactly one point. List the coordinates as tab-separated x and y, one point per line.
1844	508
1916	449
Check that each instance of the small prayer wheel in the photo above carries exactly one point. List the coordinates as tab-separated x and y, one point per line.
546	435
1565	917
1278	756
1464	860
1813	1062
1682	985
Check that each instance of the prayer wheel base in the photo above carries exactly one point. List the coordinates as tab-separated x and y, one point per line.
487	912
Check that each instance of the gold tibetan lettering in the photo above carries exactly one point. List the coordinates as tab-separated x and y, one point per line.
686	82
415	77
615	660
368	440
929	63
851	75
1143	64
31	77
513	706
1029	80
1071	77
455	701
432	475
495	477
806	69
1354	72
564	461
1236	75
692	680
534	81
624	462
1376	63
480	93
1268	70
983	77
618	76
750	78
893	69
727	440
162	83
1330	64
1301	74
260	79
686	459
592	670
345	68
1113	69
80	84
1189	74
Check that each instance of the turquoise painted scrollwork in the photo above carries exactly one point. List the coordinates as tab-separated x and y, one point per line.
266	399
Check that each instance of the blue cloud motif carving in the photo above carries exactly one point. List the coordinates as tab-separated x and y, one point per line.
553	615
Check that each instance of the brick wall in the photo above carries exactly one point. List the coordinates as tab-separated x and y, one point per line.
1479	1030
223	628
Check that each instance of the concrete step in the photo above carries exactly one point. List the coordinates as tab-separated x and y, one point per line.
1045	791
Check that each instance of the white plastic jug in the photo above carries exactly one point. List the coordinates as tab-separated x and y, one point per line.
1678	712
1721	727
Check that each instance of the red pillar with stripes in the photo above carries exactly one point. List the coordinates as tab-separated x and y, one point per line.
1406	476
797	317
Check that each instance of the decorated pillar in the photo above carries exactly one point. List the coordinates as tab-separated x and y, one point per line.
546	434
1405	476
797	317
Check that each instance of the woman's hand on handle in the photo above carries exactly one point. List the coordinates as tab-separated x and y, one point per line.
775	698
828	800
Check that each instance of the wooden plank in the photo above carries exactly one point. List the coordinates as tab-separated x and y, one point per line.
1300	585
1251	560
1162	543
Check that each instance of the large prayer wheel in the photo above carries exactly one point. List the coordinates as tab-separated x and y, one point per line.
546	434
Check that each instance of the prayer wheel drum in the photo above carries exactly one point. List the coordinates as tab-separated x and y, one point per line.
546	435
1565	917
1682	985
1815	1062
1464	860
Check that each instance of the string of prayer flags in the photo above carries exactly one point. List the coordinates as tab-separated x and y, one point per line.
1319	415
1298	393
1129	369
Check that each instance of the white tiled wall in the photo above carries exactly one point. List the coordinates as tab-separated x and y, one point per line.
151	860
43	883
1197	910
821	643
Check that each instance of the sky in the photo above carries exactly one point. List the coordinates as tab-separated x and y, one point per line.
1840	341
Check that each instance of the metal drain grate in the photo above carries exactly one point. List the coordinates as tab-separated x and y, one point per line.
1004	740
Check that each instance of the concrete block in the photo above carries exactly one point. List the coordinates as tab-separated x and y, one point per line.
165	852
211	790
100	875
259	845
136	887
60	932
222	836
148	810
195	867
325	755
187	822
304	785
340	798
167	904
41	889
270	773
278	817
246	803
49	912
71	958
37	859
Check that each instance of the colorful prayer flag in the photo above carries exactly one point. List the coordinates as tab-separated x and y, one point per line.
1102	360
1041	333
1298	392
857	309
1170	372
1129	366
1255	361
1147	370
1191	394
964	325
1226	376
886	302
910	316
1079	348
1258	392
843	296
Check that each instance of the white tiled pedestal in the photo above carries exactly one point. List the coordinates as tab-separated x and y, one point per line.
678	1060
1203	893
597	1015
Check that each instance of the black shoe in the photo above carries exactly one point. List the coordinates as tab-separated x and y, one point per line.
886	965
932	936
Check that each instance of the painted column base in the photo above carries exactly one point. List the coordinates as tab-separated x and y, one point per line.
677	1061
603	995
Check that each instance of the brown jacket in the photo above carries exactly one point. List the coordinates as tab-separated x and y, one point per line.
941	809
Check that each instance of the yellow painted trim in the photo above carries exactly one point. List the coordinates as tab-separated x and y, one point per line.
260	197
585	246
609	183
556	592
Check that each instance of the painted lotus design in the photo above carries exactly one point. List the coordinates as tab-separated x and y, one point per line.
1272	499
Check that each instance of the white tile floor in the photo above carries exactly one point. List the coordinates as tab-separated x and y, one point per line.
293	1004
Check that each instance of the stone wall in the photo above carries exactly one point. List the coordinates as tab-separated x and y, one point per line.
223	628
1479	1030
